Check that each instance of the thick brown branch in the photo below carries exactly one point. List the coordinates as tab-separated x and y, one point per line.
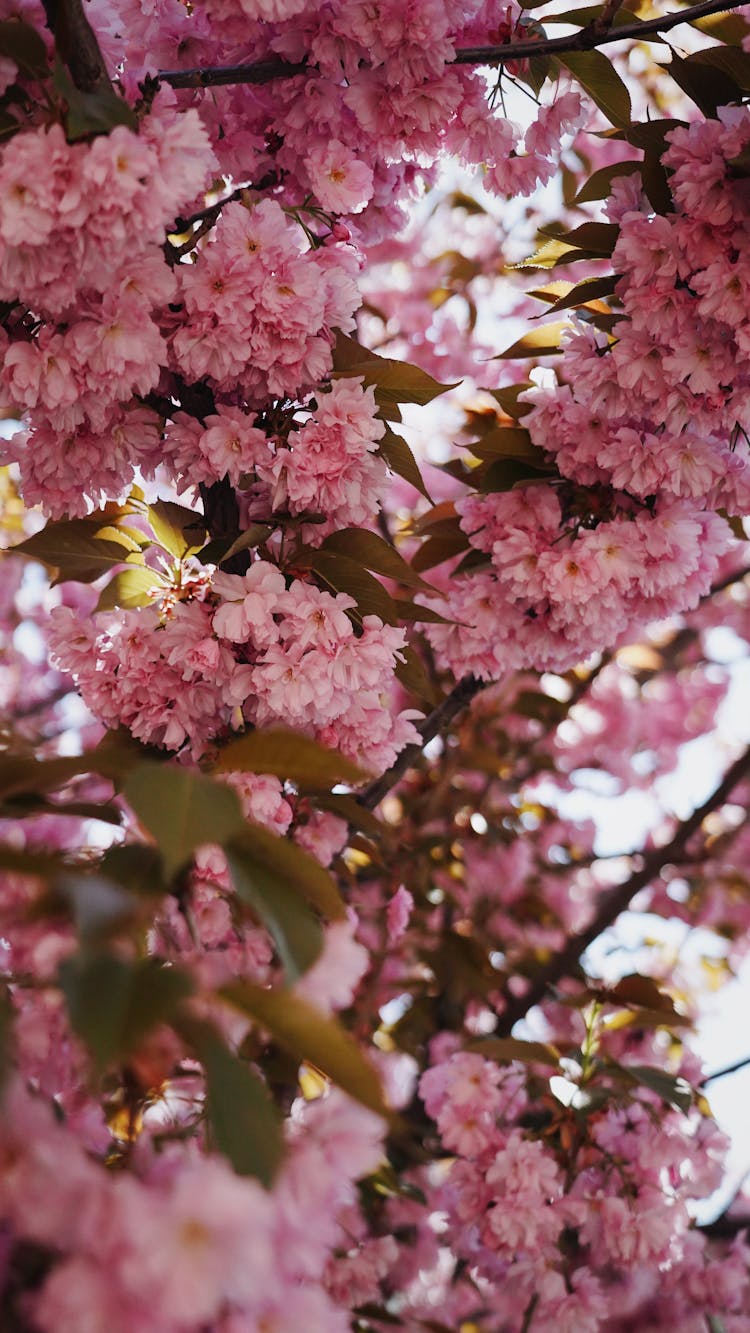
76	43
262	71
612	903
586	39
435	724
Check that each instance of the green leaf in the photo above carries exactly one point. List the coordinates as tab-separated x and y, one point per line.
542	707
544	341
587	14
294	928
400	459
221	549
599	186
598	77
23	806
182	810
245	1124
99	908
284	858
505	442
414	613
116	755
178	530
91	113
23	44
656	182
643	992
510	1048
505	473
312	1036
554	252
20	774
289	755
438	549
536	73
580	295
345	575
394	381
708	86
729	61
509	401
139	586
113	1004
351	811
412	675
75	549
651	135
137	867
729	28
598	237
42	864
374	553
736	524
675	1091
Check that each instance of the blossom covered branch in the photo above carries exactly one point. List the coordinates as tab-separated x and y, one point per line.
257	1068
586	39
613	903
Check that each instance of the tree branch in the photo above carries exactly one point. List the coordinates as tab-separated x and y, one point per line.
76	44
433	725
724	1227
728	1069
736	577
586	39
262	71
615	901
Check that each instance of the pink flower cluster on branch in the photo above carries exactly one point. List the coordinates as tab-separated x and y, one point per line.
250	651
184	990
647	426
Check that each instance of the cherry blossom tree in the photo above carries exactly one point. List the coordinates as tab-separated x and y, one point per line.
335	569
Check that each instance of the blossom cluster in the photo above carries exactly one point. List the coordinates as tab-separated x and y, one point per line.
179	1244
81	228
572	1251
379	102
561	582
257	312
663	409
251	651
174	295
259	305
325	466
647	427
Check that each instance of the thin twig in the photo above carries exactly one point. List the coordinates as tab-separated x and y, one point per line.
736	577
617	900
212	211
586	39
41	705
723	1073
433	725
